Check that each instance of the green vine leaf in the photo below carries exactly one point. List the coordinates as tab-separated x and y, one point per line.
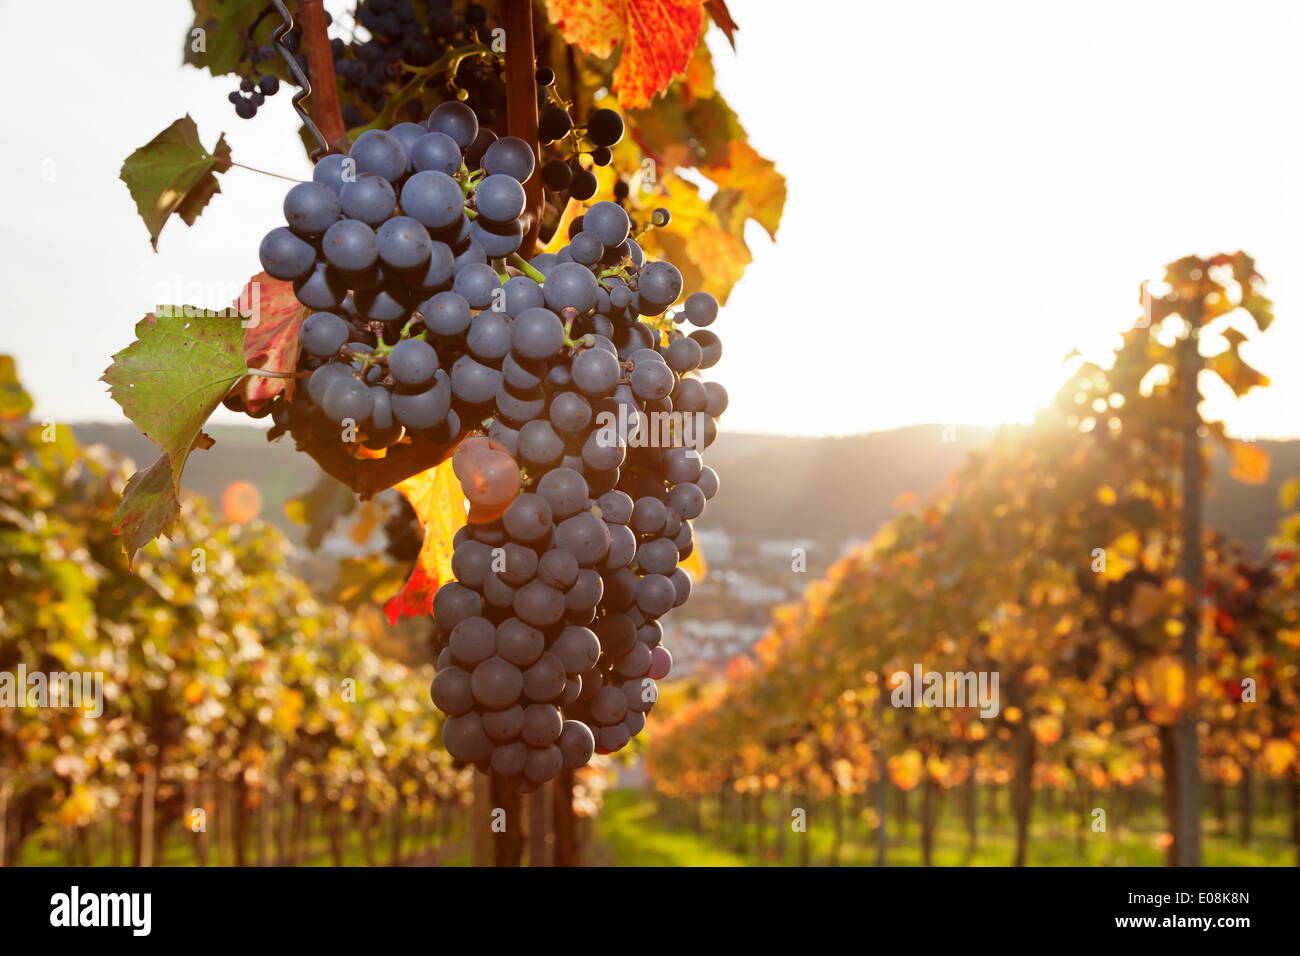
174	174
217	40
168	382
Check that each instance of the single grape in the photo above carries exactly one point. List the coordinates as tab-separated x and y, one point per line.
476	282
499	198
285	255
369	198
322	288
684	355
586	249
608	222
565	491
569	412
380	152
496	683
347	398
700	308
510	156
553	123
584	185
451	691
536	334
455	120
489	336
539	604
604	127
557	175
446	313
322	378
557	568
710	347
497	240
474	382
408	134
331	170
577	744
542	722
570	285
350	246
519	643
475	150
490	479
427	408
380	305
503	726
403	243
434	199
437	273
323	333
310	209
652	381
659	284
412	362
464	738
435	152
519	408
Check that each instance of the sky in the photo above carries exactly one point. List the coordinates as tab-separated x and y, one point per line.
974	190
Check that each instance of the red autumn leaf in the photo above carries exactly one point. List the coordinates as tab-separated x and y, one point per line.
720	15
436	497
658	38
272	342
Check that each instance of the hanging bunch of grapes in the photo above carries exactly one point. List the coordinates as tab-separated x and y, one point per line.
578	390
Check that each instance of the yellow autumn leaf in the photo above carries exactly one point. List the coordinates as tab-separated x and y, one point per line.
1249	463
436	497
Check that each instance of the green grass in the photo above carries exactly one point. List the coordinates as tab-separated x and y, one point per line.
44	848
634	829
628	833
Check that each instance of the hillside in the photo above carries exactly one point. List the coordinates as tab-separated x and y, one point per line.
775	487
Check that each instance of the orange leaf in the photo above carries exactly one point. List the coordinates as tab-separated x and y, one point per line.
272	343
439	504
695	566
662	35
658	38
749	187
594	26
722	17
1249	463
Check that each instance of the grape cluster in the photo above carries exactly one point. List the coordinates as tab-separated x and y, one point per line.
566	175
401	33
251	95
584	410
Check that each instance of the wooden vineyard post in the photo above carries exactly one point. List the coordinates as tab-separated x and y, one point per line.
1187	833
521	105
320	70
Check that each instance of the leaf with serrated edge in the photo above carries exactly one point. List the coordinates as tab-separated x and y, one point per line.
168	383
173	173
438	501
148	508
271	338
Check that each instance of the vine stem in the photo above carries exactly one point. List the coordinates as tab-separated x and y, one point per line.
527	268
272	373
320	65
267	172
